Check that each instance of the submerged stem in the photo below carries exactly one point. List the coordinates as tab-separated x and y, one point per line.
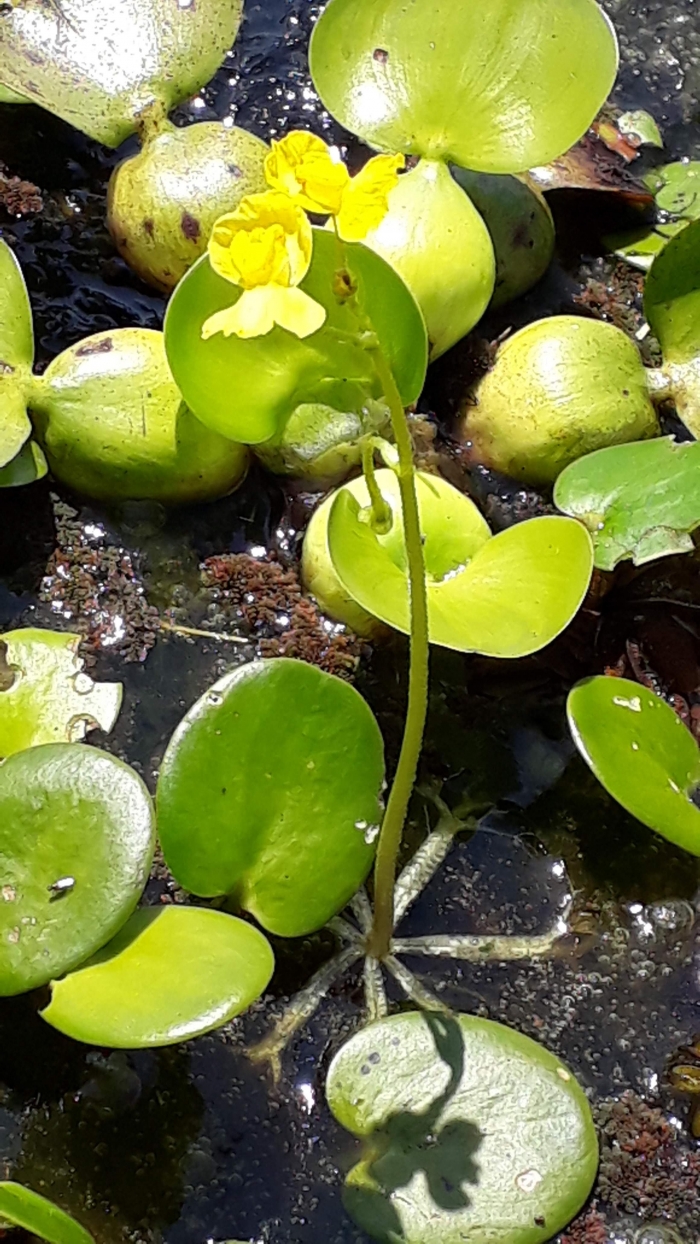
379	941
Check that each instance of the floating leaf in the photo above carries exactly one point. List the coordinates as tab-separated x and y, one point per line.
639	500
672	307
269	792
77	834
28	466
641	127
472	1132
162	202
101	66
21	1207
248	389
505	596
169	975
642	754
45	696
437	241
113	424
676	188
495	87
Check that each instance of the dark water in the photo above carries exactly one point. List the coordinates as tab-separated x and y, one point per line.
195	1144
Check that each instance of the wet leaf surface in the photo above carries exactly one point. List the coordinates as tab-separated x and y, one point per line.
77	834
641	752
471	1131
170	974
99	67
426	80
45	696
640	500
269	792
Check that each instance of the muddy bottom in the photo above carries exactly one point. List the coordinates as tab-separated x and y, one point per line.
196	1143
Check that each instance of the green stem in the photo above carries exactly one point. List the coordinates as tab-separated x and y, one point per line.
379	940
381	510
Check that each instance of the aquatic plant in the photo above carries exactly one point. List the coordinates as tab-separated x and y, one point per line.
675	189
641	752
108	418
495	91
117	72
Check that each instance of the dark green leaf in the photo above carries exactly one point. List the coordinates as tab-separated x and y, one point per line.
641	752
28	466
76	838
269	791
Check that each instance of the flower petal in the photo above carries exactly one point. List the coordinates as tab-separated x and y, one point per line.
296	311
267	240
366	199
252	316
302	166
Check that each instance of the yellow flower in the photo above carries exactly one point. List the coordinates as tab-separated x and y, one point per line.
301	165
265	248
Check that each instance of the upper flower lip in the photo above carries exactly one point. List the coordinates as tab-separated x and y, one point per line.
302	166
266	240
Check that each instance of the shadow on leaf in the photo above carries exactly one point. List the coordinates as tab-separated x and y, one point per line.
411	1142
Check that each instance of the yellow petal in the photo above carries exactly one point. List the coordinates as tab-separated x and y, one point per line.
366	199
251	316
268	239
296	311
302	166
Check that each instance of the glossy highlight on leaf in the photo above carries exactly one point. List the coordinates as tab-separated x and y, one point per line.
640	500
505	596
496	87
269	792
22	1207
171	973
641	752
100	66
45	695
247	390
471	1132
77	834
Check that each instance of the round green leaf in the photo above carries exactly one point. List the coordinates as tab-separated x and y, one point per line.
28	466
496	87
45	696
170	974
437	241
15	427
505	596
162	203
99	66
113	425
642	754
248	389
639	500
269	792
16	332
77	835
472	1132
21	1207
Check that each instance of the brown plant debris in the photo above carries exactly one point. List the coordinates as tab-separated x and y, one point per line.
588	1228
18	197
96	588
266	599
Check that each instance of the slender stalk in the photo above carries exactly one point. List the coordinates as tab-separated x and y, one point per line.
379	941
